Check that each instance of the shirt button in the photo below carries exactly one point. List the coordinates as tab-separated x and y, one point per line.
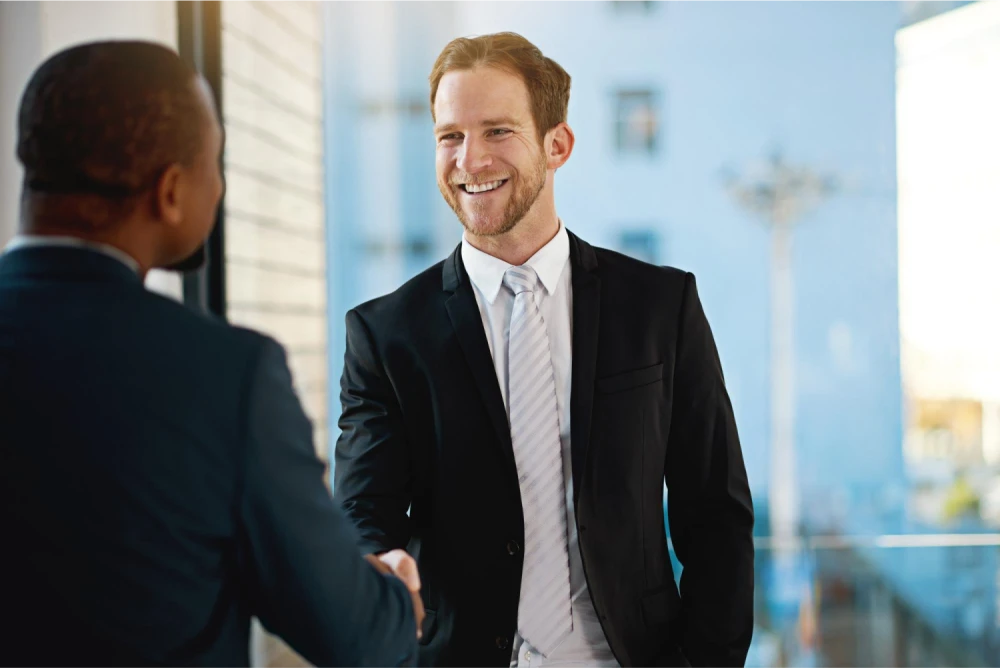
513	548
501	642
527	656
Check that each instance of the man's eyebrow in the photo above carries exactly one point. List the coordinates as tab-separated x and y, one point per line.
503	120
489	122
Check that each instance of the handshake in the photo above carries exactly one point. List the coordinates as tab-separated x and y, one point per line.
404	567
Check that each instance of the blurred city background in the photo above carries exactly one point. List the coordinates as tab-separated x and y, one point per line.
829	171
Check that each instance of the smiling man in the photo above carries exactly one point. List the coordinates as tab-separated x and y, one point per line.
510	414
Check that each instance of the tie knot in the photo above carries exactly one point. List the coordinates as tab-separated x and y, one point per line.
521	279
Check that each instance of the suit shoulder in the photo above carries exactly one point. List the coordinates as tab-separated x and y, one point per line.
210	330
406	300
613	263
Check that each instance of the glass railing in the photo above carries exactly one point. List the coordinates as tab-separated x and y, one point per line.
879	600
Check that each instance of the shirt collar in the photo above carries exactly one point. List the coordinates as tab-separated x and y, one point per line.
486	271
37	241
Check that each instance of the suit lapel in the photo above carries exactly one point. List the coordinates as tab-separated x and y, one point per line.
586	323
465	318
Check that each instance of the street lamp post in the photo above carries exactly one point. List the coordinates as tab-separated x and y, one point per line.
781	194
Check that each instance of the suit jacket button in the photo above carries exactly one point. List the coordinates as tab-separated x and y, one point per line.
513	547
501	642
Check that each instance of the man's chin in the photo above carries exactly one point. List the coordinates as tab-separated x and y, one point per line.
482	226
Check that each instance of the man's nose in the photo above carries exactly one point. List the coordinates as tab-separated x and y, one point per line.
474	156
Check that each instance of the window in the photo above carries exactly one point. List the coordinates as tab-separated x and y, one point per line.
637	122
417	108
415	246
642	244
633	6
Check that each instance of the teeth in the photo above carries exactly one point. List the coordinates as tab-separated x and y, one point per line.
482	187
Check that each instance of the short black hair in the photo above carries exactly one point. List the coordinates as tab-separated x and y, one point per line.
107	118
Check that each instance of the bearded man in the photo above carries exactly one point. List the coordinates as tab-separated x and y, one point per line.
510	415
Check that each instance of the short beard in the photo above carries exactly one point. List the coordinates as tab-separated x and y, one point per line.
517	208
191	263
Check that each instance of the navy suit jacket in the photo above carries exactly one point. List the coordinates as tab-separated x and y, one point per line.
159	487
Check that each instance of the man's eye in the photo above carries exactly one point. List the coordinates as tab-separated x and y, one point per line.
496	132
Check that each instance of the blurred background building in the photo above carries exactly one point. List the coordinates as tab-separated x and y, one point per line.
827	170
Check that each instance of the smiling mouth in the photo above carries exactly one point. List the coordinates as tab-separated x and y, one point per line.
482	188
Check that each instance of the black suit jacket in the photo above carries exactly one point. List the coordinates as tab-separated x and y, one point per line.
425	462
158	486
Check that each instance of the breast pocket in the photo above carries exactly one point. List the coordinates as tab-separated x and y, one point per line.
629	380
623	403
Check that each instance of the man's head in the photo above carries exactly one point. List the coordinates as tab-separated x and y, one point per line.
120	142
499	108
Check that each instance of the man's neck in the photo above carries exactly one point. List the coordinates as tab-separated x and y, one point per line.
519	244
24	240
88	218
95	240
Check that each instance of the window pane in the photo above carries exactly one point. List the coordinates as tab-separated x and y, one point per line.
638	122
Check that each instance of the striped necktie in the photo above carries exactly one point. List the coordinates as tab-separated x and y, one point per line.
545	613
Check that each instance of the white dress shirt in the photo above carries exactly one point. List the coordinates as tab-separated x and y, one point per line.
586	645
35	241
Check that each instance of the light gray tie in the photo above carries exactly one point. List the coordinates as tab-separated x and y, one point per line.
545	613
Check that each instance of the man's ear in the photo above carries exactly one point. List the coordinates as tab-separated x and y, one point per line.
168	194
559	142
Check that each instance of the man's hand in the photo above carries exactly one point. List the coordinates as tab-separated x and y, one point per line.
404	567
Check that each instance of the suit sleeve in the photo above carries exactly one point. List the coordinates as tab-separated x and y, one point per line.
310	584
709	506
372	475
